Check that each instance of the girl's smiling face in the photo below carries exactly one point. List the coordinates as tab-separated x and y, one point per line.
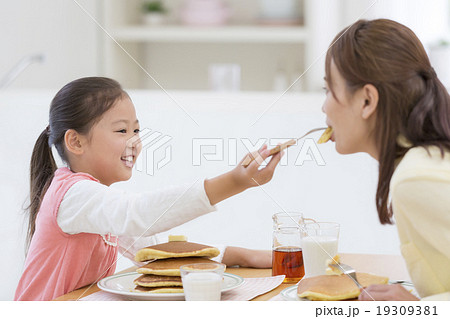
350	115
113	144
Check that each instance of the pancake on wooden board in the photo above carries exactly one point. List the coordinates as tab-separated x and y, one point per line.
159	290
171	266
336	287
158	281
176	249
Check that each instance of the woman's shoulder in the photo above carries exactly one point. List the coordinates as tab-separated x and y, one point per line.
425	157
421	163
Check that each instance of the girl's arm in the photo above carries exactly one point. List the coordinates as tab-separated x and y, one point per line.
241	178
236	256
91	207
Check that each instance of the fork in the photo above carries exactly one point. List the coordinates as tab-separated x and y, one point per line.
283	146
347	270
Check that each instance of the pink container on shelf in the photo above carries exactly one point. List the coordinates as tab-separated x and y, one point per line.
204	12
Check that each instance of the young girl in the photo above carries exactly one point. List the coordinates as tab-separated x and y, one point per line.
75	217
383	98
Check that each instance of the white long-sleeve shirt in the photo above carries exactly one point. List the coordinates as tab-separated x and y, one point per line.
135	218
92	207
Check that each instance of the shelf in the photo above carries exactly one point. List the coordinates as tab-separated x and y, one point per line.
225	34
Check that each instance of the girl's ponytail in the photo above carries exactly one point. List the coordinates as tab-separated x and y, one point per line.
42	168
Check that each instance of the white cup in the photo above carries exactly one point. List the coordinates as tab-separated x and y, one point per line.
319	243
202	282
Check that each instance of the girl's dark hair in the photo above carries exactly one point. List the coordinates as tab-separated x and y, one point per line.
412	100
78	106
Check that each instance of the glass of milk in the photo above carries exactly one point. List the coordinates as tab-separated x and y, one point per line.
202	282
319	243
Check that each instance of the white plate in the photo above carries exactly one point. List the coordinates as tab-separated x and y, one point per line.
290	293
122	284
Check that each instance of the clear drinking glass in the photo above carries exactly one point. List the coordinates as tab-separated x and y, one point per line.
202	282
319	243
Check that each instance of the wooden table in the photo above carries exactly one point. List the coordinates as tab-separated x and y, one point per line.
385	265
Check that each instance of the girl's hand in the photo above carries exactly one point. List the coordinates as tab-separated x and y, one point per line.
386	292
251	175
240	178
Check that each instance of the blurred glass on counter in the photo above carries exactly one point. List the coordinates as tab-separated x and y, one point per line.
224	77
280	12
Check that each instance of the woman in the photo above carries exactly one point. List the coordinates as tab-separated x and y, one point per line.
383	98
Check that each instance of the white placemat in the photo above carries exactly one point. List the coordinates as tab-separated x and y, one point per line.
251	288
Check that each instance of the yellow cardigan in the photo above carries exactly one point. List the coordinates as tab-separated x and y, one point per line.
420	195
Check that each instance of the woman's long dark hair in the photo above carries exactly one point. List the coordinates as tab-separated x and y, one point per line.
78	106
412	100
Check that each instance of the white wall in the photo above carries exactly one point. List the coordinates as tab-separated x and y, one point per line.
428	19
59	30
343	190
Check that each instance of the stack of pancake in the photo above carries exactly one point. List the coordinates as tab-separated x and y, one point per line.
162	273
